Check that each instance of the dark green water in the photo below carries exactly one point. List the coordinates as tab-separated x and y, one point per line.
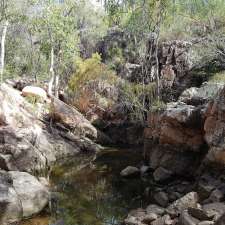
90	191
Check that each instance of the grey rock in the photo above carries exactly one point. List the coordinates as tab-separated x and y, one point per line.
205	92
21	196
215	210
144	169
164	220
161	198
131	220
149	218
155	209
206	223
205	189
162	174
216	196
32	194
130	171
186	219
221	220
189	200
198	213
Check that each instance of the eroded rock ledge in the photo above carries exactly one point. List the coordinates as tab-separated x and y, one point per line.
184	134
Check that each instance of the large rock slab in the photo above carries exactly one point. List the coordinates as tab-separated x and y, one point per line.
33	195
21	196
71	118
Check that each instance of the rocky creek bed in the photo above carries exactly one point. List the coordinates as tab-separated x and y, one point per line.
89	190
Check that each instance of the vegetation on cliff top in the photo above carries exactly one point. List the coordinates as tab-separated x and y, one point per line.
54	41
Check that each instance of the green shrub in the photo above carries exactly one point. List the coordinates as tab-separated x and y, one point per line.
137	99
86	82
89	70
218	77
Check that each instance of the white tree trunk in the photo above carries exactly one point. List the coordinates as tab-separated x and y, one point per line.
52	73
53	85
2	57
56	86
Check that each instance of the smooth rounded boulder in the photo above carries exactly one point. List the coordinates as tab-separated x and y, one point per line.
34	92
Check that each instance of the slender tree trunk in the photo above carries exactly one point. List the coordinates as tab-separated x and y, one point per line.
56	86
52	73
2	57
157	69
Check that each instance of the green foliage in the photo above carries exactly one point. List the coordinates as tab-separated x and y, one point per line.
218	77
157	105
137	99
33	99
86	83
116	58
88	70
35	26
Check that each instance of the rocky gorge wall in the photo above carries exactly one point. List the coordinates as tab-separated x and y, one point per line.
187	134
184	149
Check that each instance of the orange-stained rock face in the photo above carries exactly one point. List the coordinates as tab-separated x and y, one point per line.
174	127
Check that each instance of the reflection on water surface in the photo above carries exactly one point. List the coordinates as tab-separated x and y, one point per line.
87	192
